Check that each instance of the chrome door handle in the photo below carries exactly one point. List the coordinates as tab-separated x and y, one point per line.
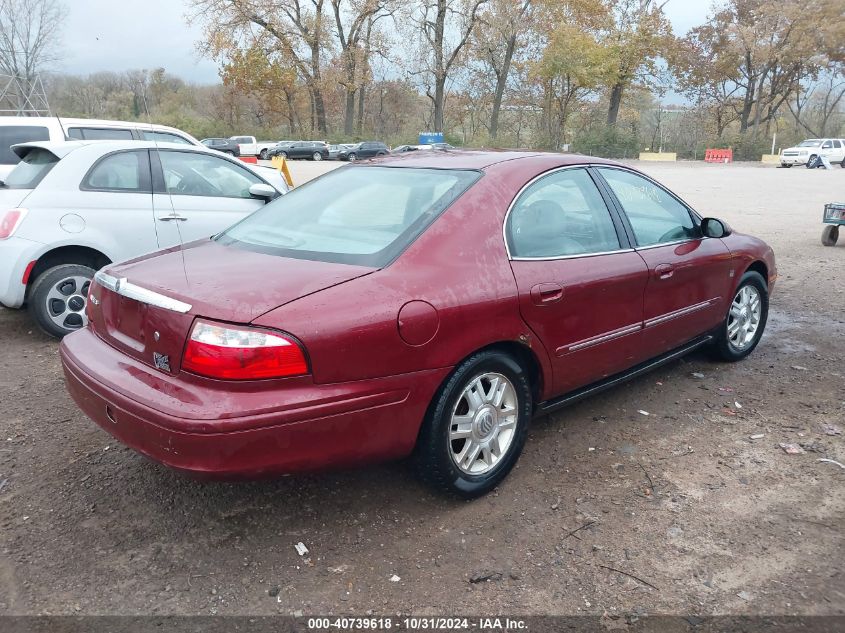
173	216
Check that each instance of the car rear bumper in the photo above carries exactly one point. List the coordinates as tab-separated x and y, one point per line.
323	426
15	255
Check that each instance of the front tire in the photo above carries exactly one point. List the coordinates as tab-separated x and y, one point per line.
786	165
58	297
352	158
830	234
476	426
746	320
813	162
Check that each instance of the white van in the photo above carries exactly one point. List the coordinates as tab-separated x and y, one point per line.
19	129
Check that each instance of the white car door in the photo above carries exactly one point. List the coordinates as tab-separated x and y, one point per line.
196	195
113	205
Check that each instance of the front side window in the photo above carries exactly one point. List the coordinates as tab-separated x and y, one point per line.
124	171
194	174
826	145
355	215
837	145
31	169
163	137
14	134
560	215
655	216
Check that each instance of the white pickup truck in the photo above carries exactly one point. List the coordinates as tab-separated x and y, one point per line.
250	147
831	148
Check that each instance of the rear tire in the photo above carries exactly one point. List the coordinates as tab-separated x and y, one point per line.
830	234
58	297
744	323
484	408
317	156
262	154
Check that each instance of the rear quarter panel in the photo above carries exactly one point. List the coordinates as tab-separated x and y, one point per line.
459	266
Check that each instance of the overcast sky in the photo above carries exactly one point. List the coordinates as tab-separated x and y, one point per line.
120	35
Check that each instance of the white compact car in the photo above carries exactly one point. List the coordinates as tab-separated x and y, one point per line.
831	148
69	208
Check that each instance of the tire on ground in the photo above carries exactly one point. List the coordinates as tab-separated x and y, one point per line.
37	299
433	457
724	349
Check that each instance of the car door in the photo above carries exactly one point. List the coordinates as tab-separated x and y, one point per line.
689	276
580	284
114	203
196	195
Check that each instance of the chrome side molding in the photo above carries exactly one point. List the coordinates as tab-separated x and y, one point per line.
129	290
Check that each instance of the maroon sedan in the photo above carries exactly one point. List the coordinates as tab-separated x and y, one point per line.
428	304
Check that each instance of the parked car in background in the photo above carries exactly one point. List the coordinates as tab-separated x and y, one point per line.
70	208
354	319
248	146
831	148
404	149
17	129
311	150
367	149
334	150
225	145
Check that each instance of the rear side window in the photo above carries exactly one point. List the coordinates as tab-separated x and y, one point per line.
561	215
124	171
31	169
364	216
14	134
164	137
100	134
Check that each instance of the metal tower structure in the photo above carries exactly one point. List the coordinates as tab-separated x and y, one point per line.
21	97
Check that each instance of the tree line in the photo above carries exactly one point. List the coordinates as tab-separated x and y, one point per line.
601	76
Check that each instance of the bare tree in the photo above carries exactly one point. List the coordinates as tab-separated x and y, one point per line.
29	42
445	26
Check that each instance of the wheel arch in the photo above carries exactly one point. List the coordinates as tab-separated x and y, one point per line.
759	266
69	254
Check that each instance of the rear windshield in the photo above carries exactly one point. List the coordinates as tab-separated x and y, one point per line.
354	215
14	134
32	168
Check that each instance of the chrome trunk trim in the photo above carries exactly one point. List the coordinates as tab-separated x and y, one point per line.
129	290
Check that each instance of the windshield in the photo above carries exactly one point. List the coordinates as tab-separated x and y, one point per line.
32	169
354	215
812	142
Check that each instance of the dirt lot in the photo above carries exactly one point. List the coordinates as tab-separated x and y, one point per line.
608	510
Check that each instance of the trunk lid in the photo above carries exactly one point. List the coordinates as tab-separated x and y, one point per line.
218	282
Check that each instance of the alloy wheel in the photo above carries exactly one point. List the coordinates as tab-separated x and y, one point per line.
483	424
66	302
744	317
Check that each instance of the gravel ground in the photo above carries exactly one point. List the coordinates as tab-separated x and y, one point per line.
691	509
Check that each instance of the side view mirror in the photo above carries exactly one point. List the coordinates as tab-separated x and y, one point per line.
712	227
260	190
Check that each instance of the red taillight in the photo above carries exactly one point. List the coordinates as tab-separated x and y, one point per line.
10	222
241	353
